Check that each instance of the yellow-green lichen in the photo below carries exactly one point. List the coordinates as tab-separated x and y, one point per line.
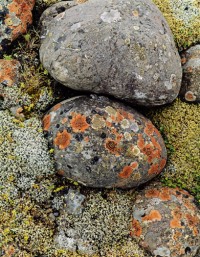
180	125
183	18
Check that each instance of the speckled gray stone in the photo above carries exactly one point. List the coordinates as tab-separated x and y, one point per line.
101	143
121	48
190	89
166	222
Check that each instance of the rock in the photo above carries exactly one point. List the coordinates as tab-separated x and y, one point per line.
103	226
124	49
102	143
15	16
183	18
166	222
190	89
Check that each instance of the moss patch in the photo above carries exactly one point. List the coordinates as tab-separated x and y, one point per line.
180	125
183	18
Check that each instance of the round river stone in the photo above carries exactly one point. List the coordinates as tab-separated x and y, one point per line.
102	143
119	48
166	222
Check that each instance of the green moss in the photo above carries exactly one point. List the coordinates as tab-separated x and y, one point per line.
180	126
183	18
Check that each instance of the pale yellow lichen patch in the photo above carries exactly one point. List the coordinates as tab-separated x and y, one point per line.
125	124
111	111
127	136
98	122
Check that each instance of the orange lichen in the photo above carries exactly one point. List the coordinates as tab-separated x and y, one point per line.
154	169
86	139
56	107
177	235
193	221
79	123
64	120
119	117
164	195
154	215
136	228
62	139
152	193
175	223
140	142
149	129
112	146
46	122
8	71
162	164
156	144
126	172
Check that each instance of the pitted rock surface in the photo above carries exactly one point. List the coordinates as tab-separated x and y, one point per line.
166	222
190	89
121	48
15	15
102	143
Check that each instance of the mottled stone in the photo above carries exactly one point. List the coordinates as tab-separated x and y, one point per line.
120	48
190	89
166	222
15	15
102	143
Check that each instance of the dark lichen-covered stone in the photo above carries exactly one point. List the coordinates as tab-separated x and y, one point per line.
166	222
190	90
15	16
121	48
102	143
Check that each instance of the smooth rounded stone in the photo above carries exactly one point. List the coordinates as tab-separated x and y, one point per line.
102	143
166	222
121	48
190	89
15	16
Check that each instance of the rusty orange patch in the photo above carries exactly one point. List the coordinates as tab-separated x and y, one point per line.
154	215
126	172
152	193
154	169
112	146
140	142
46	122
149	129
164	194
175	223
62	139
64	120
136	228
79	123
56	107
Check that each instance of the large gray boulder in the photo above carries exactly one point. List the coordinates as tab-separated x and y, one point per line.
120	48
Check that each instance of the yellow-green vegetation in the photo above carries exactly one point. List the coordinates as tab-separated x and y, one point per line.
183	18
180	125
47	2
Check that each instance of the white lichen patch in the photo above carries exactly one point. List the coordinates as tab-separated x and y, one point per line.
111	16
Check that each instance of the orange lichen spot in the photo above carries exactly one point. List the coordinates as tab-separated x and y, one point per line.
108	124
154	215
8	71
156	144
188	205
119	117
164	195
176	213
152	193
193	221
154	169
56	107
62	139
149	129
140	141
134	165
112	146
177	235
79	123
86	139
64	120
162	164
46	122
126	172
61	172
175	223
136	228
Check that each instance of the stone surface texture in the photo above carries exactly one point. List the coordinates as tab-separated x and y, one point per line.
102	143
15	17
190	89
124	49
166	222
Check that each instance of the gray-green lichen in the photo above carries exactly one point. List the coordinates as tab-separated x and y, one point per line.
183	17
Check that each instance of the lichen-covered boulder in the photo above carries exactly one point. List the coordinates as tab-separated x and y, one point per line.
120	48
102	143
190	89
183	18
166	222
15	16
